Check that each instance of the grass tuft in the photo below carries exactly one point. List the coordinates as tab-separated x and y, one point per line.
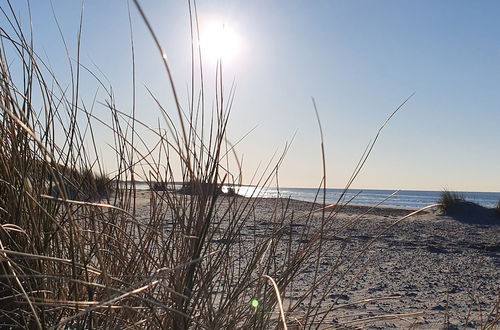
449	200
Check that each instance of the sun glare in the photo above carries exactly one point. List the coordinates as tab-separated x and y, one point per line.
219	41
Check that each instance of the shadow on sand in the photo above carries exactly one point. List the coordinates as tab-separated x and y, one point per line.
471	213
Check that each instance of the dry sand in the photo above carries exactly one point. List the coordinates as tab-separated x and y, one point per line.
429	263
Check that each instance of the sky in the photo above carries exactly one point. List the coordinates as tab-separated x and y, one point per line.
358	59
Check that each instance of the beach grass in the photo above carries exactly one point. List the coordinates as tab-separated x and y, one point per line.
77	253
449	200
80	250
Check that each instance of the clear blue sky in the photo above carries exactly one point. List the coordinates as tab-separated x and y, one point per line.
358	59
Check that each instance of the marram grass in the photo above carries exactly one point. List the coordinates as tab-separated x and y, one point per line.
449	200
75	251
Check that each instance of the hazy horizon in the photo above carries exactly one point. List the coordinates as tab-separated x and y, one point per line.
355	188
358	59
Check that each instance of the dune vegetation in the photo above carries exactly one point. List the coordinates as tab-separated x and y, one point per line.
450	200
75	250
76	253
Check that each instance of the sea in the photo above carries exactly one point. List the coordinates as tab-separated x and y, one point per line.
412	199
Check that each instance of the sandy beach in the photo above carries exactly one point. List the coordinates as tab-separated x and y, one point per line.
441	272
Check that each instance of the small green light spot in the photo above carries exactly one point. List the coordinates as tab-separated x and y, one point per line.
255	303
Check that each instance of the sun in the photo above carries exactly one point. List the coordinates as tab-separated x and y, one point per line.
219	41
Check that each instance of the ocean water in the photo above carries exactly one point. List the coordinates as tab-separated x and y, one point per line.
404	198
